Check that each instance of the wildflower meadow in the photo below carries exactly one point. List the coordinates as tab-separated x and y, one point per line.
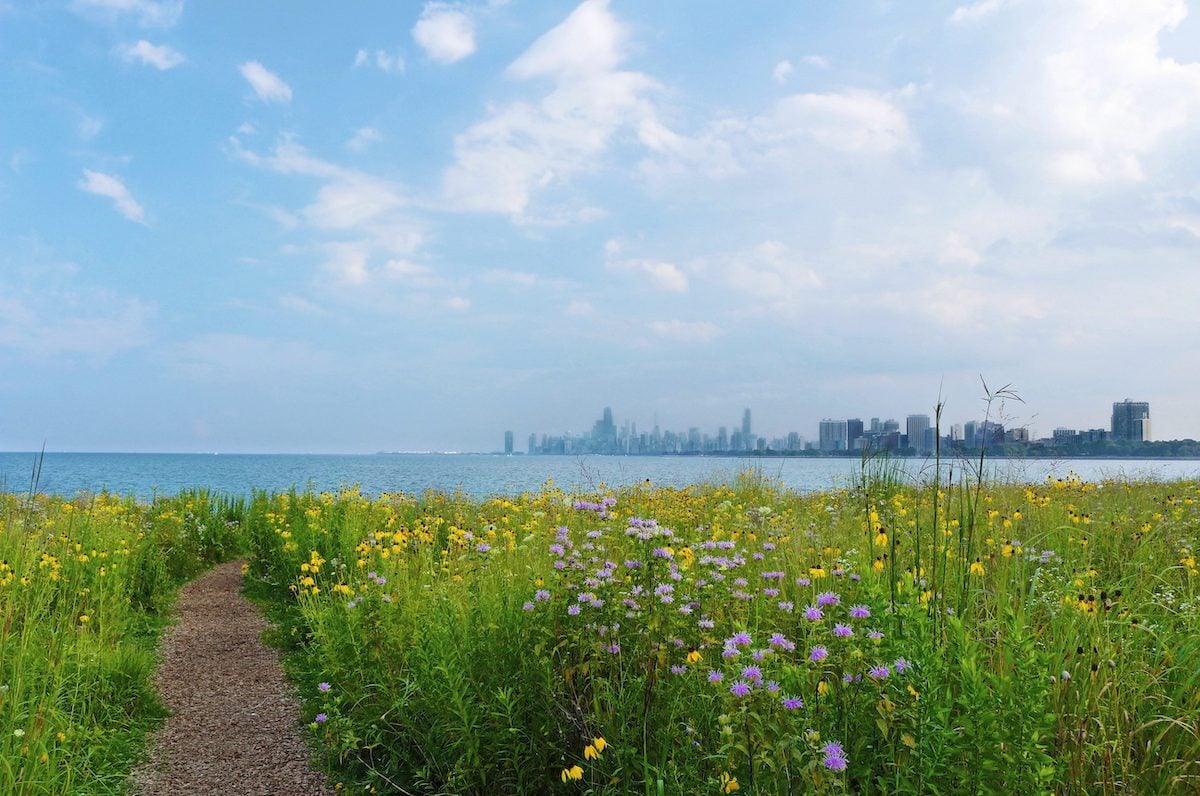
939	636
85	586
944	637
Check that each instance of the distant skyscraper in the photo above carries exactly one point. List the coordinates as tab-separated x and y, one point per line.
508	442
1131	421
854	431
832	435
916	432
746	424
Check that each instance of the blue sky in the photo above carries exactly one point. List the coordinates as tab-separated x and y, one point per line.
282	226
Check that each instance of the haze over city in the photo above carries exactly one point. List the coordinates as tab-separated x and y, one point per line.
271	227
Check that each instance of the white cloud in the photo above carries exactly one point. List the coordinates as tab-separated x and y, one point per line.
46	310
362	210
857	121
107	185
363	138
87	126
956	251
149	13
819	61
771	275
579	309
1090	99
160	56
782	71
391	63
687	331
524	148
973	12
458	303
663	275
266	84
445	33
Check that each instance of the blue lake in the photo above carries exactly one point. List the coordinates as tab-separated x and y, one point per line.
146	474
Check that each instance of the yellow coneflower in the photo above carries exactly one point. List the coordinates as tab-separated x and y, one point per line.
574	772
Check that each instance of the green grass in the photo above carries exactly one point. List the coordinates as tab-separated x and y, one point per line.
1017	639
85	587
1051	632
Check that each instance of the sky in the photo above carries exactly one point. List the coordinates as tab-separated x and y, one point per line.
289	226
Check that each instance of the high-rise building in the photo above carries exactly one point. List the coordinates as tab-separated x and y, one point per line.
854	432
1131	421
916	432
746	429
508	442
832	435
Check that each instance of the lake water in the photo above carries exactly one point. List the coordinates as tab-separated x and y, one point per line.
146	474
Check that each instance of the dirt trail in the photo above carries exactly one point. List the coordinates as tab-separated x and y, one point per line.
234	728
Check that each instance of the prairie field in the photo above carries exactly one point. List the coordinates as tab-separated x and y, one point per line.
944	636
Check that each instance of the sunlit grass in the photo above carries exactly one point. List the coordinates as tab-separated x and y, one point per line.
1019	639
83	587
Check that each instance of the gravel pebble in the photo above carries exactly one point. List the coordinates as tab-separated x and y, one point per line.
234	725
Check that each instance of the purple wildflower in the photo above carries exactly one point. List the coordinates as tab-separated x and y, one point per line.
813	613
483	547
818	654
902	666
323	687
541	594
842	630
528	606
859	612
740	640
835	756
874	635
573	609
752	673
828	598
320	718
715	676
787	606
878	672
792	703
739	689
678	669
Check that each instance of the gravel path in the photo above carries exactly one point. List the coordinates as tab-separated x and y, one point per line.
234	728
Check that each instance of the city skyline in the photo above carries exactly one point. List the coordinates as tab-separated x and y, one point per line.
400	226
1130	422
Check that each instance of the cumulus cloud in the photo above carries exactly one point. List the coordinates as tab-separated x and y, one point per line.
103	184
266	84
1091	98
527	147
458	303
160	56
149	13
687	331
662	275
445	33
782	71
